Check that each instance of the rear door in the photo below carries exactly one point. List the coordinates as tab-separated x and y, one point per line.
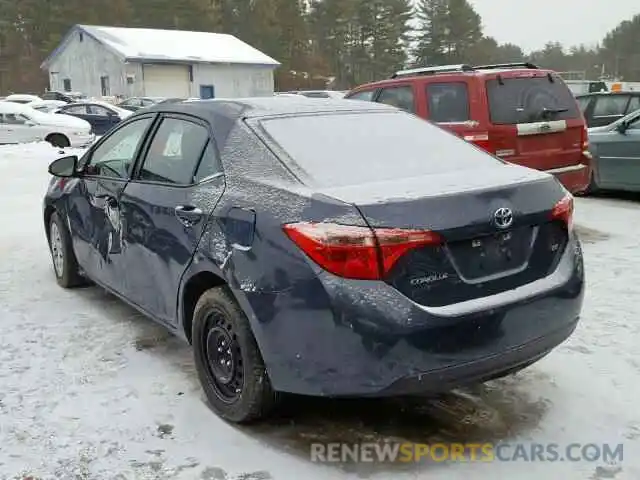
534	120
619	158
609	108
165	208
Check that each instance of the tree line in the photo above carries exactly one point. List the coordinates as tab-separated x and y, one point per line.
346	41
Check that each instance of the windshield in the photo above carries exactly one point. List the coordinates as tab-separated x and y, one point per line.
528	100
355	148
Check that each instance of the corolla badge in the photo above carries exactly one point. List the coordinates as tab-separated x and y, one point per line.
503	217
429	279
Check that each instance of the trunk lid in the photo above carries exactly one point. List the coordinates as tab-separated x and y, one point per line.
478	257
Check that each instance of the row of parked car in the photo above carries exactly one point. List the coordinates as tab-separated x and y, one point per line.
528	116
64	119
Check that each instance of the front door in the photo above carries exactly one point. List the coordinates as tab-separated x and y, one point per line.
94	204
165	209
619	158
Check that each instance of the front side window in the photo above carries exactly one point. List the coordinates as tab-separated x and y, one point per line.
448	102
399	97
97	110
113	157
174	152
76	110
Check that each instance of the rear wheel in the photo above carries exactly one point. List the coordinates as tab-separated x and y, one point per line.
228	361
58	140
65	265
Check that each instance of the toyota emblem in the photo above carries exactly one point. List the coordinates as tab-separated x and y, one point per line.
503	217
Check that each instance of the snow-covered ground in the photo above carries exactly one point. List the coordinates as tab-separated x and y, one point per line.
91	390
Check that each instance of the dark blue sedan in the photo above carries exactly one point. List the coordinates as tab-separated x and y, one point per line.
102	116
329	248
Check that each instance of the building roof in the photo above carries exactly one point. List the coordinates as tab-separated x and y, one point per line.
169	46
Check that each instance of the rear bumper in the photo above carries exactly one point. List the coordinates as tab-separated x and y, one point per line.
575	178
336	337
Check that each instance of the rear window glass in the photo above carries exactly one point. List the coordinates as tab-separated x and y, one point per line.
528	100
448	102
347	149
583	102
634	104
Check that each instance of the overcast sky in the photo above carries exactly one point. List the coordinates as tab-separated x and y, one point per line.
532	23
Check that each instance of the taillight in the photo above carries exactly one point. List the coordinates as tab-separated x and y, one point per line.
357	252
563	210
481	140
585	139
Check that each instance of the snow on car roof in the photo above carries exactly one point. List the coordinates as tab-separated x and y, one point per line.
177	45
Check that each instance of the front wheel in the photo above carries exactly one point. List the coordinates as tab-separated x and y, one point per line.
228	361
58	140
65	265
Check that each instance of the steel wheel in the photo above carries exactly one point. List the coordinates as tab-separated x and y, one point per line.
225	366
57	249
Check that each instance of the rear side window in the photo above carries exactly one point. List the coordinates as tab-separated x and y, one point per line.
357	148
448	102
399	97
367	96
610	105
528	100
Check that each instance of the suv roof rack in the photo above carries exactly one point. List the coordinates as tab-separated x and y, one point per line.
433	70
507	65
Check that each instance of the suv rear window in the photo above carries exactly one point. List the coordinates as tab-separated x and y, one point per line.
357	148
528	100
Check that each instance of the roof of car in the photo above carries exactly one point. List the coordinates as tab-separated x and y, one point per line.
268	106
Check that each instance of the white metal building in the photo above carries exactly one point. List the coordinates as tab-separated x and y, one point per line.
135	62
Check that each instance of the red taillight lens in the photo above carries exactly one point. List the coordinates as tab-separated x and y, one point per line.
563	210
356	252
481	140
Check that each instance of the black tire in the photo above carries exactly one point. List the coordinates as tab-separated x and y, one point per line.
243	394
65	265
58	140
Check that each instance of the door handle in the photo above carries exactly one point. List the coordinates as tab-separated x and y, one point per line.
188	214
108	199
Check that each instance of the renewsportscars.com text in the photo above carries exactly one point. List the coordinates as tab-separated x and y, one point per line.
466	452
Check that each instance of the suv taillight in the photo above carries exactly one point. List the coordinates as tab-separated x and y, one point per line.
357	252
481	140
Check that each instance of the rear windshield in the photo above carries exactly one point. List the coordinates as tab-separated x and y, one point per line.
528	100
354	148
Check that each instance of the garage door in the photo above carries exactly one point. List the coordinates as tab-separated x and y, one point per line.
166	81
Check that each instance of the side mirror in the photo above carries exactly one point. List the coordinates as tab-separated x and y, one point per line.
622	127
64	167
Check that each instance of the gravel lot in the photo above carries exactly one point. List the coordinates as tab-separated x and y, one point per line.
89	389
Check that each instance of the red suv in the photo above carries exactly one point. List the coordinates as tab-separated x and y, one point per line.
516	111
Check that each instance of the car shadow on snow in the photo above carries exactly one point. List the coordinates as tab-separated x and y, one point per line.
491	412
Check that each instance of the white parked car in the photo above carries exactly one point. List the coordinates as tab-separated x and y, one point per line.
22	98
22	124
